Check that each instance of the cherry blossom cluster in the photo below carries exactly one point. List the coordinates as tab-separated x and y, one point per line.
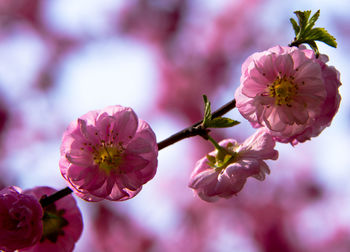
288	93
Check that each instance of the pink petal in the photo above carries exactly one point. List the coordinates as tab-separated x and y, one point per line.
132	162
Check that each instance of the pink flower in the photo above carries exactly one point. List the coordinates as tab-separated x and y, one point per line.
224	173
20	219
62	223
285	89
108	154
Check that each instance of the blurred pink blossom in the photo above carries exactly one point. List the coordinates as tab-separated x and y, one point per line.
152	21
20	219
210	51
62	223
284	89
113	231
108	154
4	116
224	174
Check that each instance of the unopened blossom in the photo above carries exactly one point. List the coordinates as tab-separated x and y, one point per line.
286	90
223	173
62	223
20	219
108	154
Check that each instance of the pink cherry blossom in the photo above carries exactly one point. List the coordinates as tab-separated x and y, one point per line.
62	223
224	174
20	219
285	89
108	154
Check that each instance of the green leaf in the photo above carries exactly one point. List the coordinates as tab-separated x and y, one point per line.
313	20
295	26
305	33
207	111
321	34
221	122
303	17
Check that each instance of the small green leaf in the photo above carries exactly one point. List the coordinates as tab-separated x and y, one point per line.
313	20
295	26
303	17
207	111
221	122
305	33
321	34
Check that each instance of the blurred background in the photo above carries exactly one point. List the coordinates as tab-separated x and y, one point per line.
60	59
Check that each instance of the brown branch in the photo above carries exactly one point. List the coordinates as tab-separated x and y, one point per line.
55	196
196	129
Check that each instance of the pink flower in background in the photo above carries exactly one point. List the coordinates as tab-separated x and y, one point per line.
62	223
210	50
20	219
224	174
284	89
112	232
150	21
108	154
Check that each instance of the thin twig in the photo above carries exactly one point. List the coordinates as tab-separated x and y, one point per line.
196	129
54	197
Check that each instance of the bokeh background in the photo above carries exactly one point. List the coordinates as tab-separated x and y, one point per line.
62	58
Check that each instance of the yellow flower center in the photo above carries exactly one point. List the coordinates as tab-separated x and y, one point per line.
283	90
108	157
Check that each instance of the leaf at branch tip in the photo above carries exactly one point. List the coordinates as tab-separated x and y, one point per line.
303	17
306	33
207	110
321	34
221	122
313	20
295	26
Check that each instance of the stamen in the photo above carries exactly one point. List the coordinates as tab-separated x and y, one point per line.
108	156
284	90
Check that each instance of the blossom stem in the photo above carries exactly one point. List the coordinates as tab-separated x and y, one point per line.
196	129
294	43
216	145
54	197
